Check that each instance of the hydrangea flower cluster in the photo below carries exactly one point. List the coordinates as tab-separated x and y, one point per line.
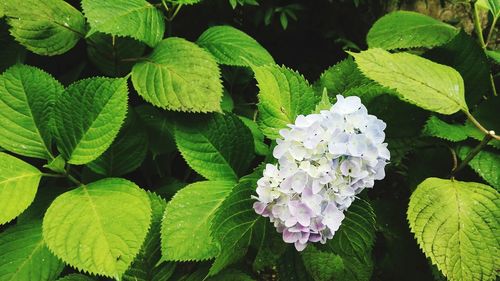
324	161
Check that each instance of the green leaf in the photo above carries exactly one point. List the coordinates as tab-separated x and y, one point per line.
322	266
404	29
57	165
27	98
190	220
218	147
494	56
283	95
107	53
269	245
456	225
127	151
469	59
417	80
134	18
345	79
18	185
231	274
49	27
291	266
76	277
435	127
159	127
99	227
231	46
179	76
185	2
144	266
88	117
233	225
324	103
261	148
485	163
24	256
491	5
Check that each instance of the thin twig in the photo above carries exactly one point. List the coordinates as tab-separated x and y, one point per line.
472	153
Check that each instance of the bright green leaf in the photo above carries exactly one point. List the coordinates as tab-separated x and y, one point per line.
185	2
324	103
404	29
494	56
134	18
485	163
233	47
435	127
190	220
88	117
322	266
261	148
456	225
417	80
18	185
107	53
99	227
49	27
27	98
24	256
57	165
491	5
127	151
180	76
218	147
283	95
233	225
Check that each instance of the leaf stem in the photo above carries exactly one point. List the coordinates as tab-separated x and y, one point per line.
472	153
477	25
492	28
480	127
53	175
171	18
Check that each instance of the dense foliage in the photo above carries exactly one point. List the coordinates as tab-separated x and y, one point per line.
133	150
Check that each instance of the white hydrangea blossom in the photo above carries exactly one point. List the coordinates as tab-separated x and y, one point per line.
324	161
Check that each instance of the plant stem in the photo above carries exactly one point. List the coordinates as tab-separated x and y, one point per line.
53	175
477	25
472	153
492	28
171	18
480	127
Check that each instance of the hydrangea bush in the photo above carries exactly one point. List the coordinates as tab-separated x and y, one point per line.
138	144
324	161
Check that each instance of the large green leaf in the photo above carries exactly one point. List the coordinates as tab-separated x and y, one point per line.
190	220
218	147
107	53
27	98
48	27
456	225
404	29
99	227
435	127
233	47
283	95
485	163
464	54
233	225
344	78
160	128
88	117
144	266
417	80
261	148
135	18
24	256
76	277
18	186
127	151
180	76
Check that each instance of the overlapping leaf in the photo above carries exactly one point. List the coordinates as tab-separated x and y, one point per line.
88	117
127	151
190	220
24	256
99	227
48	27
417	80
27	99
456	225
233	47
218	147
18	186
485	163
180	76
404	29
283	95
435	127
135	18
